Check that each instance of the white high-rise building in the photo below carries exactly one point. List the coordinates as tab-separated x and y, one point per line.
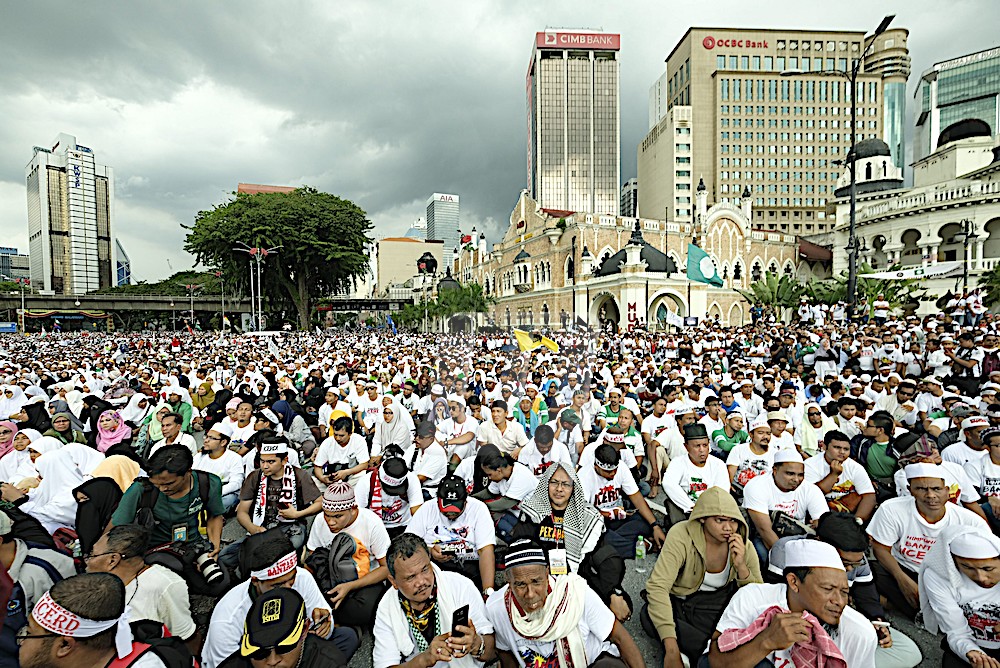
443	213
70	219
574	127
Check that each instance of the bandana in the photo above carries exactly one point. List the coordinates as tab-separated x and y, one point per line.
56	619
283	566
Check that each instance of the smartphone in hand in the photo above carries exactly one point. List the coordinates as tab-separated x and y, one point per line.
459	618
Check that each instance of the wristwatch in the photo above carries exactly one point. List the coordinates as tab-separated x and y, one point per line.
488	591
482	648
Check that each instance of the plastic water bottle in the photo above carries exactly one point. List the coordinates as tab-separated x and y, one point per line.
640	555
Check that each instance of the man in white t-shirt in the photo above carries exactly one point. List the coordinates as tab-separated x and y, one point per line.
343	456
392	492
459	532
904	529
783	490
605	483
565	599
746	461
844	481
457	434
507	435
428	459
355	599
369	408
687	477
216	457
815	582
510	482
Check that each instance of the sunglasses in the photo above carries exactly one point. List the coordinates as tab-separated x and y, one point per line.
264	652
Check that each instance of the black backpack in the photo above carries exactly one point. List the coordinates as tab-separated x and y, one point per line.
148	636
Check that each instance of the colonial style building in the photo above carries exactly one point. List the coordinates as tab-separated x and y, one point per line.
555	268
956	191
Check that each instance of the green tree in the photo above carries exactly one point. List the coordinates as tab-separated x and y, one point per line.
901	294
323	241
990	282
772	291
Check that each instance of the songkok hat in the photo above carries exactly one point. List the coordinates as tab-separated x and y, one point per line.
695	431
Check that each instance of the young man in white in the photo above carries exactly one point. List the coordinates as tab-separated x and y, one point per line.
508	436
343	456
784	489
457	434
746	461
904	529
687	477
392	492
428	459
844	481
815	582
216	457
356	599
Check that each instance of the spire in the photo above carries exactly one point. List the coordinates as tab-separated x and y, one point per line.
636	237
746	192
701	184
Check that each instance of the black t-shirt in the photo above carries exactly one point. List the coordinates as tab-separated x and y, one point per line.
550	531
305	493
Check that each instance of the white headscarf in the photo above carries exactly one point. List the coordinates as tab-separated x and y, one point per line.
939	560
9	406
53	503
133	413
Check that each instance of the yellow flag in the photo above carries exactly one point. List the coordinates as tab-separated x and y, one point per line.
550	344
524	340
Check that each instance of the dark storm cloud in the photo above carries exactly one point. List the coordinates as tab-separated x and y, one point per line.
380	102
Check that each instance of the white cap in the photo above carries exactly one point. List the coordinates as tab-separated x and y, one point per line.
924	470
972	545
759	423
613	390
808	553
438	389
457	398
788	455
222	428
975	421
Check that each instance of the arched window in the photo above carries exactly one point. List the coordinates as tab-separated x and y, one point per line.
570	269
773	267
737	271
757	272
508	317
868	171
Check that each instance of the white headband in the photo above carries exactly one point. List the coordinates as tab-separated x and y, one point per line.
58	620
274	448
283	566
389	480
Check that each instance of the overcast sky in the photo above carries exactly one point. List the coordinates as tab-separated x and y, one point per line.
379	102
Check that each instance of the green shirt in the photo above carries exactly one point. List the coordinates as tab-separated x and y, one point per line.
727	443
169	513
880	465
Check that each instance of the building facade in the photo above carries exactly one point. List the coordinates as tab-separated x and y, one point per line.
778	135
922	226
443	220
70	219
554	268
629	202
123	265
14	265
953	91
574	127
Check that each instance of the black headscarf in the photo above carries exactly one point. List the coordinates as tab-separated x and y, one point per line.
38	418
92	516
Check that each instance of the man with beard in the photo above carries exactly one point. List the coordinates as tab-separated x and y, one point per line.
753	629
545	620
413	620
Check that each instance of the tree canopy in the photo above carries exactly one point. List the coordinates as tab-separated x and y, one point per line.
469	298
208	284
323	240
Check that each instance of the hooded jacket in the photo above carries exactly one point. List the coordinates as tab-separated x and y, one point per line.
680	568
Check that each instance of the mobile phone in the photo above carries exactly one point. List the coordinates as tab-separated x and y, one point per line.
459	618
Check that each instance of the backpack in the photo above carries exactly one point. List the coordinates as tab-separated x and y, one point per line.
337	563
144	511
991	363
150	636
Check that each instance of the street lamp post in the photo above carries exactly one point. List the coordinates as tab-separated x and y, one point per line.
222	284
191	288
966	236
257	254
173	318
852	243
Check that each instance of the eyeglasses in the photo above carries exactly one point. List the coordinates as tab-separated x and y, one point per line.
22	635
387	412
265	652
559	484
88	557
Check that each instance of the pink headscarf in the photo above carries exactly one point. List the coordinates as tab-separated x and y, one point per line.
8	445
109	438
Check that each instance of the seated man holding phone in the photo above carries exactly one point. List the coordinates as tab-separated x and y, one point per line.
430	617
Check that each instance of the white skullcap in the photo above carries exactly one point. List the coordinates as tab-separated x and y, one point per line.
458	399
788	455
438	389
222	428
975	421
923	470
759	423
808	553
972	545
613	390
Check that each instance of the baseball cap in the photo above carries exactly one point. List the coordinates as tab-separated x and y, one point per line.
393	476
452	494
276	621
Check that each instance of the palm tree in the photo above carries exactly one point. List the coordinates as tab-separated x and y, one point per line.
772	291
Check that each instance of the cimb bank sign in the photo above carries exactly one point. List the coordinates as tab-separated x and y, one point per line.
578	40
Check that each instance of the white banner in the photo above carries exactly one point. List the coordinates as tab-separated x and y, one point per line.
938	270
674	319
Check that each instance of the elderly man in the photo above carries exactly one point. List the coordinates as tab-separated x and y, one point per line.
413	621
754	628
545	620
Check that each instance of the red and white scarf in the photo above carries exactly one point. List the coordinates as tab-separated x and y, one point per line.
287	495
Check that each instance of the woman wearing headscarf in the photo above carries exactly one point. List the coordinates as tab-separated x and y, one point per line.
295	428
96	500
62	429
959	594
180	403
52	503
439	411
34	416
7	432
59	405
93	407
395	428
12	399
152	430
123	470
202	398
135	412
112	430
557	516
16	466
